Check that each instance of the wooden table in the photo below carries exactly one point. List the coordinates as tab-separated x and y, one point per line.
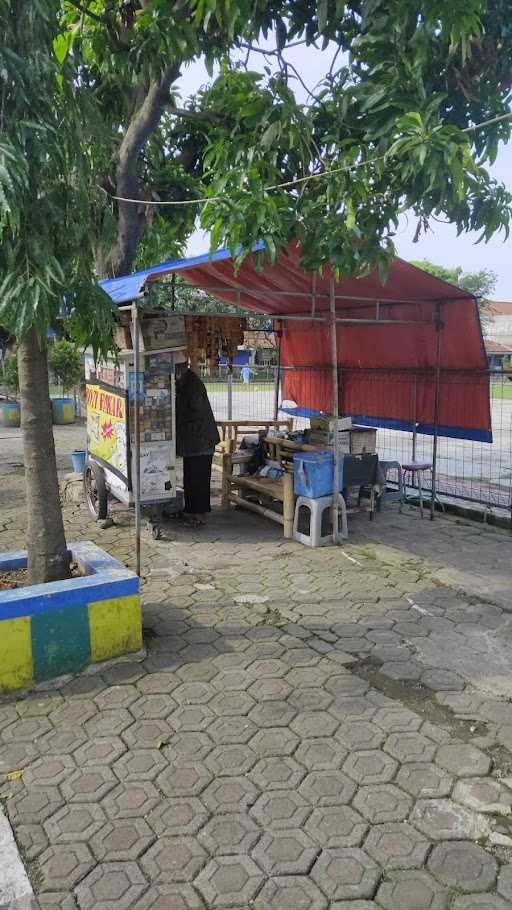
232	429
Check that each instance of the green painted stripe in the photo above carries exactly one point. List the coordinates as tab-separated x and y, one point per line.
60	642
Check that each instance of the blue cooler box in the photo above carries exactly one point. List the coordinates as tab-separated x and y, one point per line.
313	474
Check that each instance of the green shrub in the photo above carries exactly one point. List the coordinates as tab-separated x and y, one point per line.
11	377
65	362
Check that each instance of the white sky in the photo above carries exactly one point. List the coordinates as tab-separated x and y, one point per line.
442	245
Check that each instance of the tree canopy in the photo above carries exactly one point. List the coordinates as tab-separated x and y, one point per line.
90	111
403	80
47	191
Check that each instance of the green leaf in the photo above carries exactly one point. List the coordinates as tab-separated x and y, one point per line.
281	34
61	46
208	62
271	134
350	216
271	247
321	12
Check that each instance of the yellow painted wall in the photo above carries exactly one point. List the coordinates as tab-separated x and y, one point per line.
16	668
116	627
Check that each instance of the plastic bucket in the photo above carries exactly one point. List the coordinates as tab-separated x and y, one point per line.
78	457
10	414
63	410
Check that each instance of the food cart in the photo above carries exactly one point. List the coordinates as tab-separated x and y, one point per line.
131	419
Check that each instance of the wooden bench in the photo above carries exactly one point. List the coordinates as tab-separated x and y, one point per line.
236	487
235	490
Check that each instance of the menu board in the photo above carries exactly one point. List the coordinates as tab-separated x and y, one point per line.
107	425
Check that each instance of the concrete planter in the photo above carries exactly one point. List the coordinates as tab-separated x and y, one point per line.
58	628
10	414
63	411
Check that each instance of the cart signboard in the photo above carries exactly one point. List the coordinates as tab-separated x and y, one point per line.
107	427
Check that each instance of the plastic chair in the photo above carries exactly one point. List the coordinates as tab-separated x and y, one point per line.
386	468
319	527
360	472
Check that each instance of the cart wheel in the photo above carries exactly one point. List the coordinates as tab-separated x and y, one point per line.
95	491
156	532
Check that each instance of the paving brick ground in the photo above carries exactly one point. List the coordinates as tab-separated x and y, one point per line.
309	729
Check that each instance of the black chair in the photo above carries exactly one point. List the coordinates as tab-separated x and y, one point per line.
360	471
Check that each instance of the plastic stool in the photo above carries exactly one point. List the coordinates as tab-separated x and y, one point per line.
415	469
317	509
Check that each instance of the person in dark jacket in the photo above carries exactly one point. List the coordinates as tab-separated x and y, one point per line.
196	438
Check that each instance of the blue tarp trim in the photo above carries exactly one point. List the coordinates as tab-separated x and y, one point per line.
300	412
129	287
456	432
426	429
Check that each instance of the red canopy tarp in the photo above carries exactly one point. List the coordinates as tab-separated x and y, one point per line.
387	372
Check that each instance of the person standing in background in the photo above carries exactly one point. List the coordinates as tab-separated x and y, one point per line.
196	438
246	375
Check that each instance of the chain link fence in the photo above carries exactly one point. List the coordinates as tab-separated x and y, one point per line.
472	472
469	471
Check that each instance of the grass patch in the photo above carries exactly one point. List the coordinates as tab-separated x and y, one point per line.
501	390
240	387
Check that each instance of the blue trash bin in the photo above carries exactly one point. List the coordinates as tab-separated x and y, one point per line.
78	457
314	473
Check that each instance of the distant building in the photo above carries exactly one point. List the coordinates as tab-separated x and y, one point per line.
499	322
497	354
263	346
258	349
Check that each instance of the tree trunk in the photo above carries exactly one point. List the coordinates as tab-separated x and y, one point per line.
143	122
48	557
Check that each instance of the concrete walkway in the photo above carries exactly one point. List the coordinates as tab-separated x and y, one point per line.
309	729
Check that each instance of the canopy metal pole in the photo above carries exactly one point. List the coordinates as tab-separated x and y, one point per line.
414	421
286	317
136	431
230	388
278	374
336	410
320	295
173	291
439	329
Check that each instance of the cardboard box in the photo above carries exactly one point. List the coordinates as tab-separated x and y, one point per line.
163	332
363	440
327	424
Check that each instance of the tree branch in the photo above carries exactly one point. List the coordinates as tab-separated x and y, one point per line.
199	116
145	119
272	52
330	74
284	64
299	77
88	12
